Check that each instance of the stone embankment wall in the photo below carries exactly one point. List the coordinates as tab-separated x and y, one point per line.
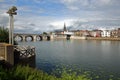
103	38
77	37
88	38
7	53
71	37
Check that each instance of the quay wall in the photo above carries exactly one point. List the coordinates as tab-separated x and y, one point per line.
59	38
103	38
77	37
88	38
72	37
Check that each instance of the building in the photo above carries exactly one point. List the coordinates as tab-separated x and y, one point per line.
63	32
95	33
115	33
81	33
64	28
106	33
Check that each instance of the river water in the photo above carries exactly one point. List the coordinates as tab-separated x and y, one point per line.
100	58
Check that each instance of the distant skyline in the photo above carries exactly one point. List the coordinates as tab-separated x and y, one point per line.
35	16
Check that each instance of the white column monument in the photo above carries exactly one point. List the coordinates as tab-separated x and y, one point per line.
11	12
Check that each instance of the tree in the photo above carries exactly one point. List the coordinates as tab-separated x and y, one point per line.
44	33
4	34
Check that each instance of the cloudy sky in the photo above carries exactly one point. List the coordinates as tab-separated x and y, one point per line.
36	16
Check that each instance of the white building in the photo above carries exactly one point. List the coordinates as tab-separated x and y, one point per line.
68	33
105	33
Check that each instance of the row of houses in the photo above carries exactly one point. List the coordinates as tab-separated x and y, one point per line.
92	33
97	33
89	33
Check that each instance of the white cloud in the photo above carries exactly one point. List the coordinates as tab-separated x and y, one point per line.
105	1
38	1
75	4
90	4
60	24
101	2
78	14
1	0
4	19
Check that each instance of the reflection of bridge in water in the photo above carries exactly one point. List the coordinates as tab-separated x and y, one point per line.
31	37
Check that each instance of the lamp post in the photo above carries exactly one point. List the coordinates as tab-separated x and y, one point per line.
11	12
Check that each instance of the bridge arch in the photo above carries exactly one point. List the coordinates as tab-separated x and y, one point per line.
18	38
39	38
68	37
29	38
48	38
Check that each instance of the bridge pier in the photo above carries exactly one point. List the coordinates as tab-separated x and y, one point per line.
34	38
51	37
44	37
23	38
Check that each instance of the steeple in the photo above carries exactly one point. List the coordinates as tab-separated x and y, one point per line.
64	29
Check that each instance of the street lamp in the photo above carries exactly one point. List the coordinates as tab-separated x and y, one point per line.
11	12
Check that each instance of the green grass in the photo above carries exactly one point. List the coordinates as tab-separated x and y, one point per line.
27	73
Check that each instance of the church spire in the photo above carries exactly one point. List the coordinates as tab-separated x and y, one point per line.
64	29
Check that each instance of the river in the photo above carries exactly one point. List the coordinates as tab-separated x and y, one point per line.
101	58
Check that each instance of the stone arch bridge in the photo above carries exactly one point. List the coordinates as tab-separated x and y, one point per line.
32	37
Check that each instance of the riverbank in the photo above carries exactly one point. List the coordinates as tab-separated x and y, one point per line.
88	38
103	38
27	73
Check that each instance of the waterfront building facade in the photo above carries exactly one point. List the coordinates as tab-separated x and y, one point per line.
81	33
106	33
95	33
63	32
115	33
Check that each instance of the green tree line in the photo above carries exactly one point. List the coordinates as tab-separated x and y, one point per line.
4	34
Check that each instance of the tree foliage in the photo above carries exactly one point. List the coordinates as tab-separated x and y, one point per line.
44	33
4	35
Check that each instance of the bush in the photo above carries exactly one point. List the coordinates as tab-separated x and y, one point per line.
4	35
27	73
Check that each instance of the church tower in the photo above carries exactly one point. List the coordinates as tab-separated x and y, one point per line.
64	29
